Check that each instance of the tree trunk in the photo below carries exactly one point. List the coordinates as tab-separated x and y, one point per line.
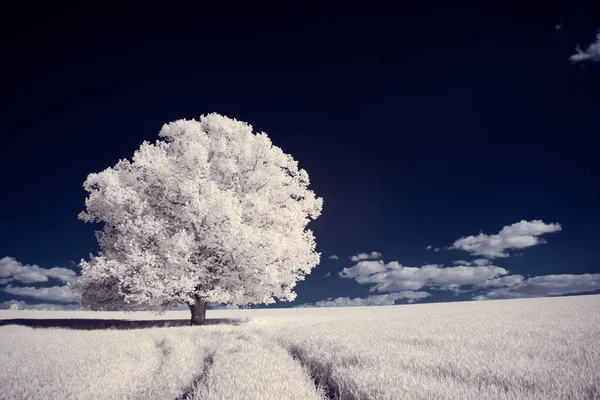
198	310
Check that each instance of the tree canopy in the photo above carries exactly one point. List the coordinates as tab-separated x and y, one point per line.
211	211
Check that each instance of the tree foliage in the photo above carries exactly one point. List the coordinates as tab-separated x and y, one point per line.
210	211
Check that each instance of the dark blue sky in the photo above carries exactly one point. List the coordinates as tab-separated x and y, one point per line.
415	130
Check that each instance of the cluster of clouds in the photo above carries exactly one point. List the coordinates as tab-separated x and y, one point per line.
374	255
394	276
516	236
62	294
14	272
374	300
546	285
478	261
590	53
21	305
394	281
409	281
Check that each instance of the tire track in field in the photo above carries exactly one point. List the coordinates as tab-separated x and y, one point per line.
248	366
320	377
200	380
319	374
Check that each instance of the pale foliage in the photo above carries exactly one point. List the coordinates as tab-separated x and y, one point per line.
210	210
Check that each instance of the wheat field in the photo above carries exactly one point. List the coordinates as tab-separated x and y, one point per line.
546	348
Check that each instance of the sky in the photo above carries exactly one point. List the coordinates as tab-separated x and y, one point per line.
455	150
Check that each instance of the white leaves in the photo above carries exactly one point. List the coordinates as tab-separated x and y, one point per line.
211	209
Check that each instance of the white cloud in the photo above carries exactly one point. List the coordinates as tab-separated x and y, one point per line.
13	270
429	247
376	300
55	293
516	236
508	280
436	249
333	257
393	276
479	261
5	305
363	268
366	256
454	288
546	285
461	262
327	274
592	52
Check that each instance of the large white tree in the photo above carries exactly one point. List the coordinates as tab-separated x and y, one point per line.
210	213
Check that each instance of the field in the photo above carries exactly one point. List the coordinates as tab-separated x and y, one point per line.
547	348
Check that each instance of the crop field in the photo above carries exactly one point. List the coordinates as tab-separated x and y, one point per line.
546	348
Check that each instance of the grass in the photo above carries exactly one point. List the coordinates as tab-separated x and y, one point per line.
247	366
69	364
506	349
517	349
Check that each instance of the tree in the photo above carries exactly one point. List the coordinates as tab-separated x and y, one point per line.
14	307
210	213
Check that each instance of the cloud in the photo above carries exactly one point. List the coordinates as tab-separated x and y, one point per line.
479	261
546	285
62	294
592	52
454	288
461	262
430	247
508	280
13	270
394	277
333	257
375	300
516	236
5	305
327	274
365	256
